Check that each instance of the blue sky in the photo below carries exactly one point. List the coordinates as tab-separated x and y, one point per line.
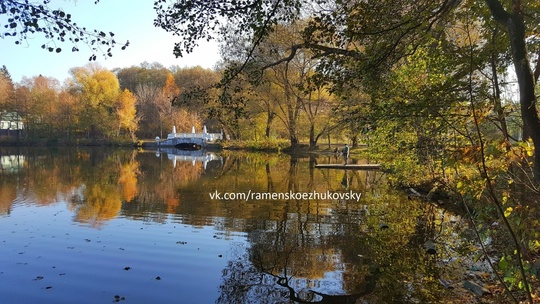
128	19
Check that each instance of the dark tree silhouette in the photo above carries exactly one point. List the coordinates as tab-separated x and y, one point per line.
26	19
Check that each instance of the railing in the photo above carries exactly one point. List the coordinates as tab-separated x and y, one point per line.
205	136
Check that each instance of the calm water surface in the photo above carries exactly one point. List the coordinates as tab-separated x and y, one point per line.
102	226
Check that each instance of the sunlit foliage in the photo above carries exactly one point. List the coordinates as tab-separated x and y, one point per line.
127	114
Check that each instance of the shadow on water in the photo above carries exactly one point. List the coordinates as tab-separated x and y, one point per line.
295	248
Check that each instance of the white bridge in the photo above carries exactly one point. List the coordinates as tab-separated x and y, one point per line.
193	138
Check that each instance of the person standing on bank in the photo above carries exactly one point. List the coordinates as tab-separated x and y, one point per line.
345	153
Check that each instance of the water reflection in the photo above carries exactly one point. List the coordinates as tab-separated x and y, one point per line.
280	251
193	156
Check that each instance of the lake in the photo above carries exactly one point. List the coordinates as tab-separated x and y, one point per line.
119	225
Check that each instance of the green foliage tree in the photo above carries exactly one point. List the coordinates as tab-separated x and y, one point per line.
362	39
430	70
514	20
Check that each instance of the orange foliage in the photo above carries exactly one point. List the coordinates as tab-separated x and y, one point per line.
7	196
172	204
170	89
128	180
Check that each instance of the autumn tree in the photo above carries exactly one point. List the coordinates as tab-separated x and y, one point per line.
44	104
229	108
6	88
197	86
67	109
514	18
170	89
146	81
149	122
169	114
197	91
267	103
35	100
318	106
98	90
21	104
361	39
301	93
154	74
127	114
163	103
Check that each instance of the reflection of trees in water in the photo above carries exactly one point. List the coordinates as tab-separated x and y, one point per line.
333	252
328	247
8	194
99	203
129	172
159	183
77	176
112	181
306	245
290	258
409	274
278	271
242	282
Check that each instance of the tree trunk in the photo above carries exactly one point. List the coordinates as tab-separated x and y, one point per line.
497	93
515	25
354	141
329	143
293	136
294	140
269	119
527	98
312	140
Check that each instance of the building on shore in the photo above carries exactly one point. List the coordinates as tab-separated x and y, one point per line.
11	124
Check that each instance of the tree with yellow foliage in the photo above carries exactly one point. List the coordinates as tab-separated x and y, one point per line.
98	90
127	114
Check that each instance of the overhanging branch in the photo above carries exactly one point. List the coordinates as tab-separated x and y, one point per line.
326	51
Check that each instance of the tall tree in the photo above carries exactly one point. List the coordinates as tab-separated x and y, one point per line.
317	105
170	89
149	123
513	19
37	105
127	114
197	85
153	74
98	90
67	109
7	88
361	39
